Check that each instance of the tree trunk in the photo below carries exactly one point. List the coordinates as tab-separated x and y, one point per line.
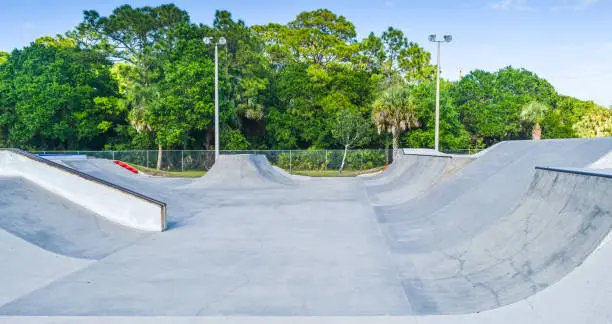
536	133
395	142
159	157
343	159
209	136
387	149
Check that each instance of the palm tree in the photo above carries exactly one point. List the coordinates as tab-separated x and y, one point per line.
394	111
533	113
250	108
139	101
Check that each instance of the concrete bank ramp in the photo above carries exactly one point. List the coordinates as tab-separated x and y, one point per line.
155	187
553	229
26	267
242	171
58	225
419	172
466	204
117	204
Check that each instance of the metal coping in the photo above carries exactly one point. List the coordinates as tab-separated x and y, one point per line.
88	177
580	172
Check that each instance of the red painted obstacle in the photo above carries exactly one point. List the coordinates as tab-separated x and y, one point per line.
385	168
126	166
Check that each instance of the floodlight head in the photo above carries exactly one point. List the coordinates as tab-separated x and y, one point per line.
207	40
448	38
432	38
222	41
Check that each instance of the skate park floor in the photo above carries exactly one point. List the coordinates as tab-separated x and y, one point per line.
251	241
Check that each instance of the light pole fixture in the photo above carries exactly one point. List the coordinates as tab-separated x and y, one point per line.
446	39
220	41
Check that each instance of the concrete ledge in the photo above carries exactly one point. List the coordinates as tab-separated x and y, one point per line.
118	204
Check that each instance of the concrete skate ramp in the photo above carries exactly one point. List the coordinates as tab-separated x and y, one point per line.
419	173
109	171
604	163
182	203
399	164
56	224
242	171
561	219
128	208
463	206
26	267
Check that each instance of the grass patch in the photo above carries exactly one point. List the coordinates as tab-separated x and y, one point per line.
170	174
334	173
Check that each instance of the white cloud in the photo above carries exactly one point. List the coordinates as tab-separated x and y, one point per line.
511	5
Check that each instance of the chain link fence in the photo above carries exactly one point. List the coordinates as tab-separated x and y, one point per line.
291	160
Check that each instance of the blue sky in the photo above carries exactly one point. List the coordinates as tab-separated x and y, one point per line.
568	42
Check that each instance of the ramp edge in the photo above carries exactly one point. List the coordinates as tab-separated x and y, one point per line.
122	190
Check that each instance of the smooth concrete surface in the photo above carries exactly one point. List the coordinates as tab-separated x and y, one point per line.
289	257
401	163
466	204
58	225
270	247
418	174
551	231
24	267
126	209
242	171
605	162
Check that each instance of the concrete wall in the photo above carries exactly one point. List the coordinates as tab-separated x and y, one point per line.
115	203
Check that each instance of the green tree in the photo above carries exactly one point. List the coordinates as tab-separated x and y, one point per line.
245	74
533	113
490	104
142	38
394	111
404	60
453	135
57	96
595	123
564	113
3	57
318	37
350	129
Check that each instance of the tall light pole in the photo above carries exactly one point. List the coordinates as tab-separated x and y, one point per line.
220	41
446	39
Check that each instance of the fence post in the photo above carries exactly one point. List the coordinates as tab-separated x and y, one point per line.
289	160
182	163
325	159
147	157
113	153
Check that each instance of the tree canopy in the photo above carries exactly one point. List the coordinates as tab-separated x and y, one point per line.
142	78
